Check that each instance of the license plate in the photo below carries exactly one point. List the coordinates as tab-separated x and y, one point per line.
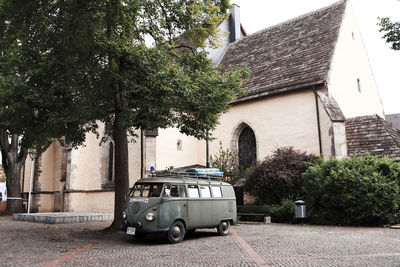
131	231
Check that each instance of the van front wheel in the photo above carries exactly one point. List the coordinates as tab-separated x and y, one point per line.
177	232
223	228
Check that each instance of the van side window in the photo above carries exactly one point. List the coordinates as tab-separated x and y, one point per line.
193	191
205	191
167	191
216	191
182	191
174	191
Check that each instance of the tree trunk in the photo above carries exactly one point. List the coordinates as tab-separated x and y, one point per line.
13	162
121	180
13	183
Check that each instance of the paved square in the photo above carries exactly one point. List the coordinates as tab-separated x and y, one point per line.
85	244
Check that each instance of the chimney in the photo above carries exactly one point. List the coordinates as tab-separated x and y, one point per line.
234	23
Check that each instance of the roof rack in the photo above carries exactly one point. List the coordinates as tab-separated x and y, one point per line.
206	173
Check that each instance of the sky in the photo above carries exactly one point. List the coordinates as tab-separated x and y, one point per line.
256	15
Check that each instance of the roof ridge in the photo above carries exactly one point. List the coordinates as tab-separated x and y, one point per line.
322	9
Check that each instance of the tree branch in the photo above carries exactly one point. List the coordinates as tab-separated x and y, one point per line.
14	140
41	150
166	19
4	144
186	46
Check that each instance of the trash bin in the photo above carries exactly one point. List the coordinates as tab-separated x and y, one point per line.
300	209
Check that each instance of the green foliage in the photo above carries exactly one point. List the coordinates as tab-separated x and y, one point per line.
3	178
278	177
392	32
227	162
282	212
355	191
65	65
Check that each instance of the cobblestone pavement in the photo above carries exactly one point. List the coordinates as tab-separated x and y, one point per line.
85	244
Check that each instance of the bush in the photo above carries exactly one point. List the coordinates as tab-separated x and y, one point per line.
278	177
356	191
283	212
227	162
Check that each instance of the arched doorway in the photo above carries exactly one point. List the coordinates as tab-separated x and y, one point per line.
247	150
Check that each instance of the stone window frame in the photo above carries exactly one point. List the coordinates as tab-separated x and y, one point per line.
234	146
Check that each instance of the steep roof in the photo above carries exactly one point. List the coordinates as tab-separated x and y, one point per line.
372	135
290	55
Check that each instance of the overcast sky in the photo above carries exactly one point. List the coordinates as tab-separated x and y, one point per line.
259	14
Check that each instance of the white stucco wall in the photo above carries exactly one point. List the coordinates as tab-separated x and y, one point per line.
349	63
285	120
100	202
216	54
86	164
192	151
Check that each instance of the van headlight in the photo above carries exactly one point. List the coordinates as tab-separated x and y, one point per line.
150	216
124	214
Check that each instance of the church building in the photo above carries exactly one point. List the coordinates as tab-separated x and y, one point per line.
310	80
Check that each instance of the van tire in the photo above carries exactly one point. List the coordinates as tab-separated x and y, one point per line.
176	232
223	228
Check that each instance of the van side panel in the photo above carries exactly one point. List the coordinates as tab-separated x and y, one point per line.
194	213
172	209
229	194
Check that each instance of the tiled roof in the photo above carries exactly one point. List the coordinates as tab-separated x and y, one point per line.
372	135
290	55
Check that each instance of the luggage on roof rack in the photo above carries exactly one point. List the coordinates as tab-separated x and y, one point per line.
205	172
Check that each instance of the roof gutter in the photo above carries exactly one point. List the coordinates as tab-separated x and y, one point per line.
279	91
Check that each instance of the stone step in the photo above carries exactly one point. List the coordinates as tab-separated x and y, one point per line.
63	217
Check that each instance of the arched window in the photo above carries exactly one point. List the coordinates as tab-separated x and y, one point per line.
247	148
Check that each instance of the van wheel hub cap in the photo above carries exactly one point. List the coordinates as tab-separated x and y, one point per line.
224	226
176	231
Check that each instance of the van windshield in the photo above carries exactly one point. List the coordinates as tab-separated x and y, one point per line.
146	190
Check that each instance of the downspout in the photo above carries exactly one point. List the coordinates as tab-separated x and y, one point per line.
207	152
141	154
318	120
23	180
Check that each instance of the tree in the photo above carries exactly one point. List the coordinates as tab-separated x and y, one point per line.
34	110
135	64
392	32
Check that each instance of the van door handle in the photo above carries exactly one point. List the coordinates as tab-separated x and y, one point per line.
184	205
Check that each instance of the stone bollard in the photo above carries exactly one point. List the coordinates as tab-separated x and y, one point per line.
267	220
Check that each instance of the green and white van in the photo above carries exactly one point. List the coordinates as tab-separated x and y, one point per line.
179	204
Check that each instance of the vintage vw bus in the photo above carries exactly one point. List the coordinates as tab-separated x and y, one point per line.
177	204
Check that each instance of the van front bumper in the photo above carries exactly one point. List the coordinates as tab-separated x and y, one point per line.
140	229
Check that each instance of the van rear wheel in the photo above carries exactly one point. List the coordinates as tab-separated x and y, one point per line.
176	232
223	228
